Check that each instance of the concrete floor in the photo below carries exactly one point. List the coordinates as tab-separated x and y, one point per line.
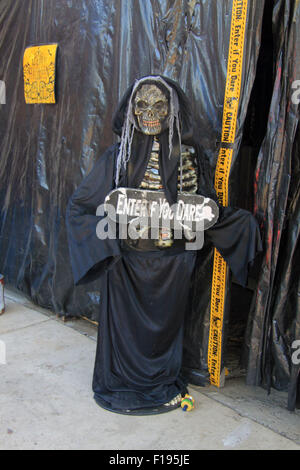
46	399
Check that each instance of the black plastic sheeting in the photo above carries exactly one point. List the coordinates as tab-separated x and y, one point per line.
45	150
274	321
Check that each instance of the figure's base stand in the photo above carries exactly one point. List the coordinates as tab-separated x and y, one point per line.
136	412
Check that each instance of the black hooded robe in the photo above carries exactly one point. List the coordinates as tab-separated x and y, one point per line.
144	294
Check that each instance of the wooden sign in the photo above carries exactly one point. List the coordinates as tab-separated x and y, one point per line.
39	66
192	210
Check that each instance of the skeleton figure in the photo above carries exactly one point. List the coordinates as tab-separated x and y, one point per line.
151	109
145	290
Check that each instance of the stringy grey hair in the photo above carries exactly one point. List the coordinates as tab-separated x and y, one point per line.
130	126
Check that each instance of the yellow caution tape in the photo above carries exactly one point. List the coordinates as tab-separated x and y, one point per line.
230	110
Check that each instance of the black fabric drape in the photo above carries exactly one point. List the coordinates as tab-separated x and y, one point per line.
274	315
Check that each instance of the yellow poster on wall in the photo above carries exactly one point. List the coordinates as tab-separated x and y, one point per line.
39	66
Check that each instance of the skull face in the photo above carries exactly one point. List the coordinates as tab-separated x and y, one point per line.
151	108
